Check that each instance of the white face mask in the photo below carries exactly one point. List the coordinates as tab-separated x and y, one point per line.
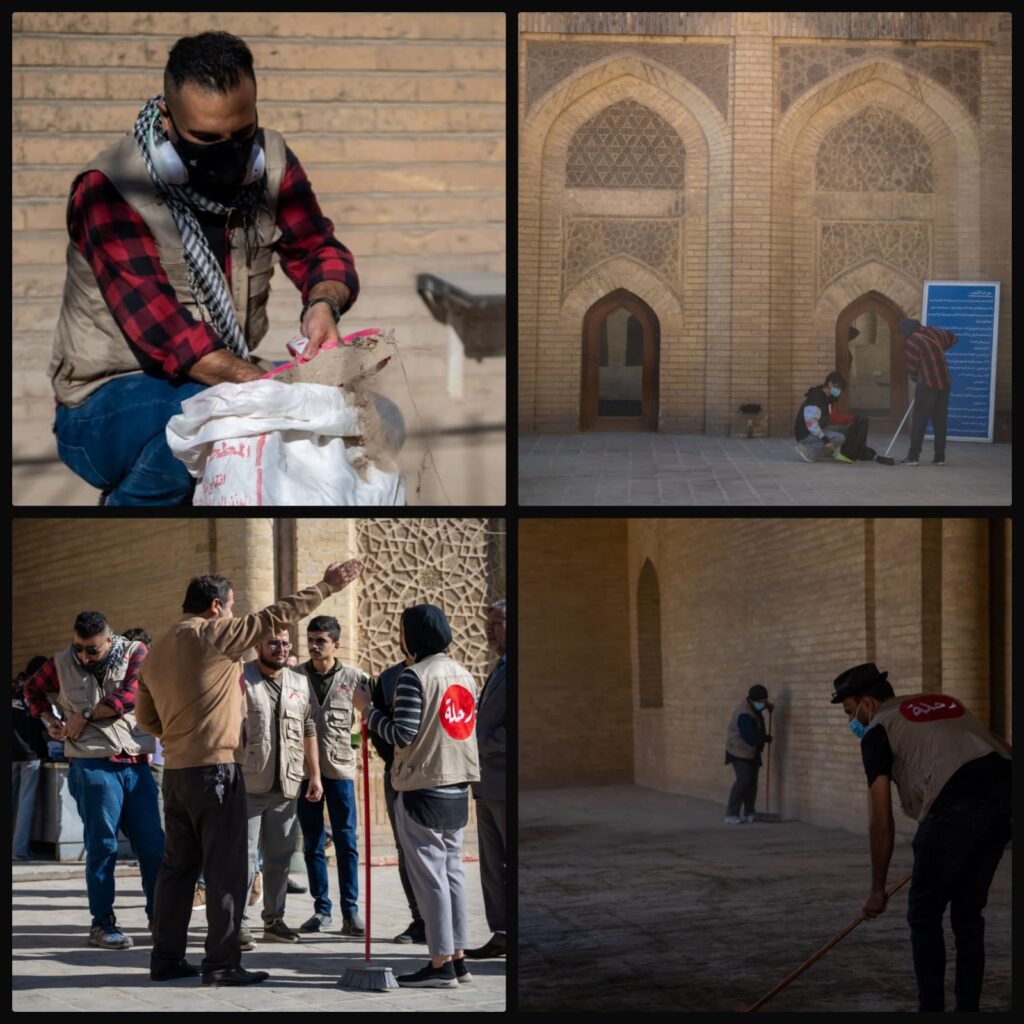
759	704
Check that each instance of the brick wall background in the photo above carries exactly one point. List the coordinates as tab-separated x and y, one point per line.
136	572
786	603
399	120
573	670
771	256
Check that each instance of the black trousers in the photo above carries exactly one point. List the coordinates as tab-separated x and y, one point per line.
957	849
929	404
744	789
207	829
403	874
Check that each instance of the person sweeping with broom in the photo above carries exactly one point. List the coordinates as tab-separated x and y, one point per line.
433	732
953	776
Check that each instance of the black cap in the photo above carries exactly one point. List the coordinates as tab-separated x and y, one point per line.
757	692
855	680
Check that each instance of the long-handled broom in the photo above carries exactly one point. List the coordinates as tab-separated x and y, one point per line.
821	952
767	815
885	459
367	976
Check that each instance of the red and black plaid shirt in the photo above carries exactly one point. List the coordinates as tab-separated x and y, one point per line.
123	255
122	700
925	352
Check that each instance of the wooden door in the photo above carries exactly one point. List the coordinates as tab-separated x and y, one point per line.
620	365
869	354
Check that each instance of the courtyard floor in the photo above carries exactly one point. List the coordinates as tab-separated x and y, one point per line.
681	469
634	899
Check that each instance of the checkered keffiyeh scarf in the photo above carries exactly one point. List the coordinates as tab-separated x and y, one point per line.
118	651
205	279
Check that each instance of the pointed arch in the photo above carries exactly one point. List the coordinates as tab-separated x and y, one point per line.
648	632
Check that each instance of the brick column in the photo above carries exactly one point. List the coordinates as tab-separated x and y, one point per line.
752	152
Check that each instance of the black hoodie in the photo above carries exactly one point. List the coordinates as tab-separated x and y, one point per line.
426	631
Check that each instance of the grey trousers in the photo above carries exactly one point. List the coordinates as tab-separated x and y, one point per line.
273	823
433	858
490	829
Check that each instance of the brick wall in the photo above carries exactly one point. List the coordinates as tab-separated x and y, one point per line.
574	706
786	603
399	120
749	314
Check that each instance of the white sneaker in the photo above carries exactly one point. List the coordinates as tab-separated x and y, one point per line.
802	452
731	819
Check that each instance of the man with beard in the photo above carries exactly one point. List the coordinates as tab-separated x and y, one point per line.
173	235
96	681
281	736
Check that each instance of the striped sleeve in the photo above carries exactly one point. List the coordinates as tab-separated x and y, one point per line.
404	727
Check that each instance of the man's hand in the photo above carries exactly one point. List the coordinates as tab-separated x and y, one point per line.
875	904
56	729
361	697
318	325
830	446
223	366
315	790
341	574
75	726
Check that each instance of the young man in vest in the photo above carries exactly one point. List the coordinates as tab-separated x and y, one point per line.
330	686
173	235
281	749
382	695
433	732
746	738
953	776
489	792
817	437
924	349
192	695
95	681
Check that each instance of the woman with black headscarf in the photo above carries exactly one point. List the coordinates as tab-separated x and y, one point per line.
433	732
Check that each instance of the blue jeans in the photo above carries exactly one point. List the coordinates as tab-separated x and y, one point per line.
115	440
340	797
111	796
816	448
24	783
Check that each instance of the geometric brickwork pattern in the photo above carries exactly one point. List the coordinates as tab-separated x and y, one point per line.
706	65
847	244
443	562
957	68
589	241
874	151
626	145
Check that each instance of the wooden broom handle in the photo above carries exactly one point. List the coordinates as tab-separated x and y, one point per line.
821	952
366	826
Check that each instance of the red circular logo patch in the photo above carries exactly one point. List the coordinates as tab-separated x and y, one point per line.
458	712
930	708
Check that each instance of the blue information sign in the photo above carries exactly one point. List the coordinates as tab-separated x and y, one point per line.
970	309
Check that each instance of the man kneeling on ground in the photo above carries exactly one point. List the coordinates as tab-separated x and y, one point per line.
818	438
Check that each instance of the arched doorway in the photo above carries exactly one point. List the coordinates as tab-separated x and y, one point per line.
869	354
620	364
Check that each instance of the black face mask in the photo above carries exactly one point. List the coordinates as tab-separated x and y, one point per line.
216	169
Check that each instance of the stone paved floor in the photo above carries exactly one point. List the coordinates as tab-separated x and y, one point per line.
633	899
53	969
680	469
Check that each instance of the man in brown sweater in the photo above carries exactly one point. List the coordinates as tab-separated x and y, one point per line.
191	695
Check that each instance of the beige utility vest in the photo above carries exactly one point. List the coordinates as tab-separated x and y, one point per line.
444	751
79	690
275	747
735	744
932	735
89	349
334	722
